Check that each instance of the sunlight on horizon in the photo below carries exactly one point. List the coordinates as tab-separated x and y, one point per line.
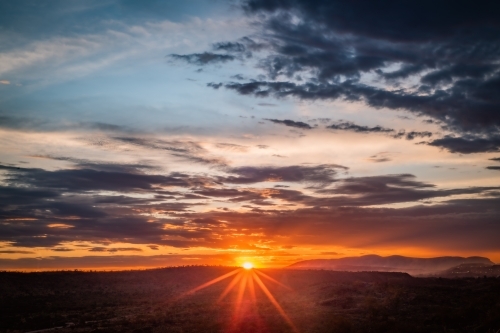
244	280
247	265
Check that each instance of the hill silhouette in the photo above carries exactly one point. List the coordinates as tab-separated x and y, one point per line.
472	270
410	265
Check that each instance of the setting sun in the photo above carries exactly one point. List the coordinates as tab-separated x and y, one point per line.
247	265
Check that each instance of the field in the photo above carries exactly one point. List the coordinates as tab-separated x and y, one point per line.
159	300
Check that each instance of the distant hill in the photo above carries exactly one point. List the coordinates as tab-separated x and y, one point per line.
471	270
413	266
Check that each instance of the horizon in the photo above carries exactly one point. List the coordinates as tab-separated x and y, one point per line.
162	134
27	269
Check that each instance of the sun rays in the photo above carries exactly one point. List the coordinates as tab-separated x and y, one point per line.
244	282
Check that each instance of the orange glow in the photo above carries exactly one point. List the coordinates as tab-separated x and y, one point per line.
247	265
246	278
209	283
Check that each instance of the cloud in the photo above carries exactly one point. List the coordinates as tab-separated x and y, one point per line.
349	126
232	147
413	134
187	150
171	146
82	180
467	144
100	166
455	225
496	159
291	123
380	190
380	157
34	123
343	49
493	167
33	202
319	174
5	82
204	58
16	252
233	47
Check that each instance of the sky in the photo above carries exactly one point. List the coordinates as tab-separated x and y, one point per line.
163	133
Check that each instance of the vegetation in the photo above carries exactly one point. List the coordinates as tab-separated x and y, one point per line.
320	301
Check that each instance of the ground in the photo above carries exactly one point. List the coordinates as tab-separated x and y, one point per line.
316	301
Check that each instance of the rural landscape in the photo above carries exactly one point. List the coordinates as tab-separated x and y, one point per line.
313	300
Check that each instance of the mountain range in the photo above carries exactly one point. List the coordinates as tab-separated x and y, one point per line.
410	265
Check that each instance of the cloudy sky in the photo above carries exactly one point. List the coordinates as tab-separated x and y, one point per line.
157	133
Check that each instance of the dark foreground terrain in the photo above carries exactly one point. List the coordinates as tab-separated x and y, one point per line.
320	301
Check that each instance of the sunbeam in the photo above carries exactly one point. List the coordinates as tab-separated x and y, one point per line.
230	286
274	302
246	278
209	283
273	280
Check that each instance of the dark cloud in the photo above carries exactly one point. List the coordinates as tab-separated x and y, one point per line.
115	249
455	225
16	252
233	47
452	50
413	134
320	174
349	126
221	192
467	144
89	179
204	58
47	208
238	77
19	195
291	123
417	21
444	105
125	249
35	216
380	157
493	167
496	159
371	191
170	146
100	166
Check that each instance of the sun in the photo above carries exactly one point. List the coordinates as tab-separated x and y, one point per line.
246	279
247	265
